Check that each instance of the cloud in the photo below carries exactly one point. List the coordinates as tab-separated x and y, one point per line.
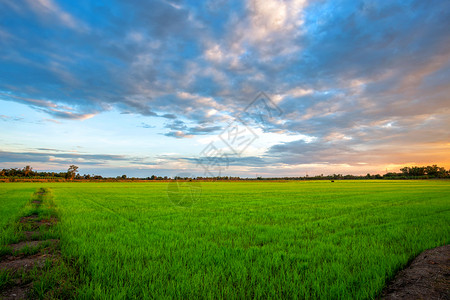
145	125
178	134
68	115
47	8
9	118
339	70
421	140
179	129
57	156
274	17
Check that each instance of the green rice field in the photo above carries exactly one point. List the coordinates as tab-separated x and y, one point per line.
240	240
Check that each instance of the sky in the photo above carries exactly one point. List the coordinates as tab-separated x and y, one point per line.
224	88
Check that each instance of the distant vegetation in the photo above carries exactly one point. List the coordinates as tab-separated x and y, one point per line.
27	173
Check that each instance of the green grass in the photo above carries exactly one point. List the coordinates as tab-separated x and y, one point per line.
12	199
339	240
5	279
16	201
57	278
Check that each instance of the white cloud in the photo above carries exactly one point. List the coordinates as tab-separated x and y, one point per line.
271	26
273	16
294	93
47	8
200	101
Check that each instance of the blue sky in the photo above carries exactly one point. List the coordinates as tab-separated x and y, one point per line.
163	87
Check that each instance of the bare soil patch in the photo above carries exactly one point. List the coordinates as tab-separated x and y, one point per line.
34	222
25	263
427	277
30	218
48	222
31	235
18	291
22	245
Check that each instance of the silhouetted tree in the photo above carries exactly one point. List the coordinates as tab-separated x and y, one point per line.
27	171
71	172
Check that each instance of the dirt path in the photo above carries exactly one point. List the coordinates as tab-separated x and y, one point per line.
33	256
427	277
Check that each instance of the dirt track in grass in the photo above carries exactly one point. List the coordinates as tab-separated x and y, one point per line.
28	255
427	277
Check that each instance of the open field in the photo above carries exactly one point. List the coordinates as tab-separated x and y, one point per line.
241	239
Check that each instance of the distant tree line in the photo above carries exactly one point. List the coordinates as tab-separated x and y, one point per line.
429	171
28	172
414	172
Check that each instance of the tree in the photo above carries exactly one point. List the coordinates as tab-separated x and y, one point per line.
405	170
72	171
27	171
